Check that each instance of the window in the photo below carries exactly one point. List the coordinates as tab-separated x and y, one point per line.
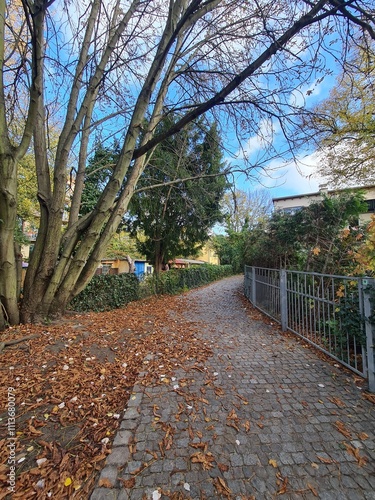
370	205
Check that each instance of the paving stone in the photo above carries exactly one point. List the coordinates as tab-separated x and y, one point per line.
119	456
122	437
105	494
292	420
109	473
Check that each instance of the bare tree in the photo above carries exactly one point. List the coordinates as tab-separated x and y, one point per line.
246	209
108	68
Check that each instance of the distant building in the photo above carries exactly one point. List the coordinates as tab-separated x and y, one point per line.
291	204
121	265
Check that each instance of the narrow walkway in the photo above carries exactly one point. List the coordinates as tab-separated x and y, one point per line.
264	417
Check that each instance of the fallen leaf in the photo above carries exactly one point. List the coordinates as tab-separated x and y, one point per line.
273	462
369	397
233	420
363	436
337	402
355	452
312	489
222	487
34	431
326	460
105	483
247	426
282	483
340	426
223	467
127	483
205	459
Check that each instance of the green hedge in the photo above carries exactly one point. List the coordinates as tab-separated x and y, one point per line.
180	280
106	292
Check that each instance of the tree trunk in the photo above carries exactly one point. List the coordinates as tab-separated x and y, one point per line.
8	214
159	257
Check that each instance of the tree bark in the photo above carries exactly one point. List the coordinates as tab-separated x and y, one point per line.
8	214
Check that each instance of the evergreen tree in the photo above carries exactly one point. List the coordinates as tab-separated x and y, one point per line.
177	200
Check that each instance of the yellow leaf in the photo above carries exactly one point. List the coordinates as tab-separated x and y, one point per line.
272	462
316	251
68	481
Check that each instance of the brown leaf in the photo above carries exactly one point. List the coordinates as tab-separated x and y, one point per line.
205	459
34	431
219	391
340	426
152	453
222	487
247	425
201	446
282	483
233	420
312	489
127	483
363	436
223	467
337	402
105	483
244	400
155	408
326	460
355	452
369	397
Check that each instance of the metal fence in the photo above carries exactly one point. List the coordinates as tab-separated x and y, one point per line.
333	313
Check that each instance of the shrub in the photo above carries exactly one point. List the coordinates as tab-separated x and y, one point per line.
106	292
180	280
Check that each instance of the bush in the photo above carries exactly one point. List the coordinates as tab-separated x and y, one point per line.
180	280
106	292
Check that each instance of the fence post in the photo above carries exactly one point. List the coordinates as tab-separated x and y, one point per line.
283	301
367	285
253	286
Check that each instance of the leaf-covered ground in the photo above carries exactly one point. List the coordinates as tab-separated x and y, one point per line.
72	382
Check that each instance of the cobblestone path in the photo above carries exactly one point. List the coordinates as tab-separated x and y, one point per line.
265	417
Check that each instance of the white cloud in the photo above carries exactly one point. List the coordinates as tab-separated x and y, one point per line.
265	136
287	179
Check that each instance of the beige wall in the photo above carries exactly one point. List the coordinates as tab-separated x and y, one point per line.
208	255
294	202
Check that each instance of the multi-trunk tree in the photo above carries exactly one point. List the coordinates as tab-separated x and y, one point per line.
104	70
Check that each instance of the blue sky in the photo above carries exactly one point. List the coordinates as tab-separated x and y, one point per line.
283	178
279	177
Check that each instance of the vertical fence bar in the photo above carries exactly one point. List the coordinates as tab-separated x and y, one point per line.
368	286
253	286
283	300
362	315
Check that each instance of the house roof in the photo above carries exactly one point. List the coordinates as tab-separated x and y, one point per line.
322	191
188	261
